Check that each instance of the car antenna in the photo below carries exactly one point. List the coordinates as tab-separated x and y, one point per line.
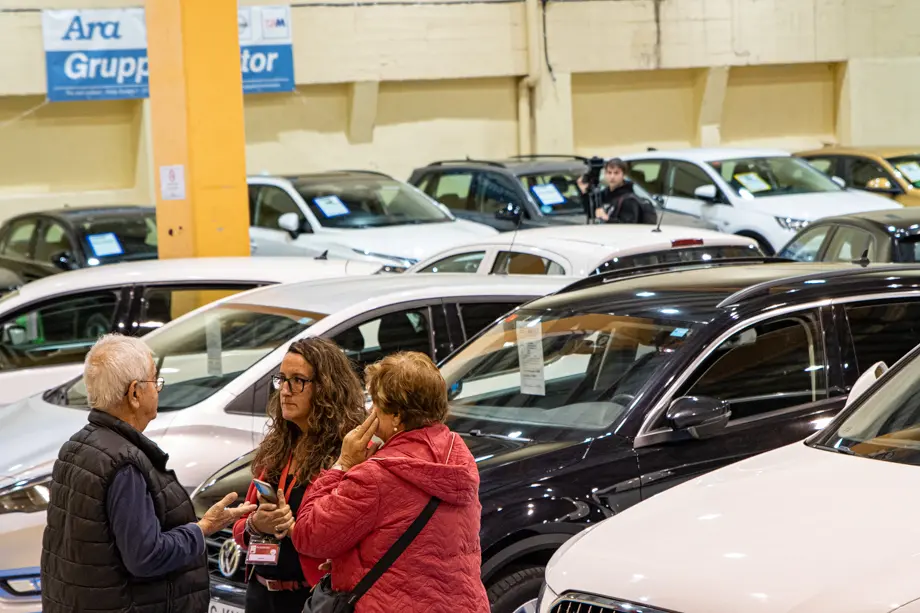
864	259
323	256
664	205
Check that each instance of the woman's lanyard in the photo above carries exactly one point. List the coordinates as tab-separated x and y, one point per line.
283	478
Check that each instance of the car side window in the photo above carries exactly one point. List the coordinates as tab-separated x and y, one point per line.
806	246
407	330
772	365
271	204
684	178
649	174
849	243
19	243
459	262
494	193
474	316
253	200
866	174
52	241
452	189
882	331
517	263
162	304
58	331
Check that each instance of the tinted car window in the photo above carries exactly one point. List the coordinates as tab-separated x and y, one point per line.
120	239
60	331
19	242
452	189
494	193
866	174
52	241
805	246
160	305
770	366
908	249
685	178
271	204
375	339
883	331
460	262
648	174
850	244
477	315
517	263
556	193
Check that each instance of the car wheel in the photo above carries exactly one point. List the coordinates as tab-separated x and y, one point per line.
518	591
765	246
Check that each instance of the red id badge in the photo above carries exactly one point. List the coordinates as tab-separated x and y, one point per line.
265	554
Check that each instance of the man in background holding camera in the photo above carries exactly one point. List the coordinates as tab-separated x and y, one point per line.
616	202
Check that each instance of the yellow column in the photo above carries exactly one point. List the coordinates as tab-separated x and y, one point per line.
196	111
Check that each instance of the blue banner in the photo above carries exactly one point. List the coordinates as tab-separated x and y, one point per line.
101	54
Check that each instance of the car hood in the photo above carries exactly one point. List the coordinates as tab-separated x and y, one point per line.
412	241
818	205
33	432
793	530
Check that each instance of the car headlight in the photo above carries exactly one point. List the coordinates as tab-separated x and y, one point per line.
788	223
400	261
26	496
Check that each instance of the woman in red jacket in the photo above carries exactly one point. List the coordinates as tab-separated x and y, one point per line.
357	509
319	399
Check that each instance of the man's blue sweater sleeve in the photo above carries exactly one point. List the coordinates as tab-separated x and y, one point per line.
145	550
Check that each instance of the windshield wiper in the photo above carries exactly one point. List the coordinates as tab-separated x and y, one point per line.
480	434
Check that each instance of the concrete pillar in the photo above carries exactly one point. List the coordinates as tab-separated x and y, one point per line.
362	111
711	89
552	112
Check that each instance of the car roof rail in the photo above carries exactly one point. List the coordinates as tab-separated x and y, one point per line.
549	156
468	161
762	289
663	267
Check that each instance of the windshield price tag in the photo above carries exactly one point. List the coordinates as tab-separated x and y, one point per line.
911	170
530	357
331	206
105	244
753	182
548	194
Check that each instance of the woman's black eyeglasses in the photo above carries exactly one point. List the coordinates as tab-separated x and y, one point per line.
295	384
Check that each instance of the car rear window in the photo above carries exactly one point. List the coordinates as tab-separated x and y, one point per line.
678	255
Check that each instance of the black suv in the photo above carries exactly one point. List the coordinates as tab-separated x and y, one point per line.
535	190
645	382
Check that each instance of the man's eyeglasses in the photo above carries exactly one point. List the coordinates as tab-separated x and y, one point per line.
295	384
160	382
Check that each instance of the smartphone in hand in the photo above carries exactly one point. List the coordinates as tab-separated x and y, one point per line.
266	491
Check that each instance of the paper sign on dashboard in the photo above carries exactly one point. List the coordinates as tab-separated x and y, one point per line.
910	170
530	357
105	244
331	206
752	182
548	194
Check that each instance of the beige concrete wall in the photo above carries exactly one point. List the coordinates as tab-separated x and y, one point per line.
615	75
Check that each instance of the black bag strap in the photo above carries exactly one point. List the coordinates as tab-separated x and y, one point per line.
395	551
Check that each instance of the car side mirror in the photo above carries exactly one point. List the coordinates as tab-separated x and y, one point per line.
511	212
14	334
839	181
865	381
707	193
291	223
880	184
701	416
64	260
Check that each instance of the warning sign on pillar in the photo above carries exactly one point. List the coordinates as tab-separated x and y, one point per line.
172	182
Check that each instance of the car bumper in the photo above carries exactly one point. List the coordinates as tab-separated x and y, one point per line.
227	597
21	539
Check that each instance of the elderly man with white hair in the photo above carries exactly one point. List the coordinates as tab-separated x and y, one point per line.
122	533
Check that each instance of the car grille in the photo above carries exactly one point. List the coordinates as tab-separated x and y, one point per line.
589	603
215	542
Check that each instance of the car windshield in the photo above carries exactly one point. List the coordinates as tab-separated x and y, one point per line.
908	166
200	355
368	202
557	376
886	426
107	240
773	176
556	193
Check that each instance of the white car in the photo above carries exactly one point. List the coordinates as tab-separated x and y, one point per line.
582	250
357	215
47	326
765	194
828	524
218	362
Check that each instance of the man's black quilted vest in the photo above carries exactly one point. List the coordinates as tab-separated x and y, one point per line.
81	568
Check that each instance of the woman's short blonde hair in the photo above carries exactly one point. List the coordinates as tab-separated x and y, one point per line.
408	384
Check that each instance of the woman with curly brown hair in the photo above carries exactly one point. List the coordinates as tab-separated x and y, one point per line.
319	399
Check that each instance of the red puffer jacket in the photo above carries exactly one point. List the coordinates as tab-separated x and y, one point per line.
353	518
